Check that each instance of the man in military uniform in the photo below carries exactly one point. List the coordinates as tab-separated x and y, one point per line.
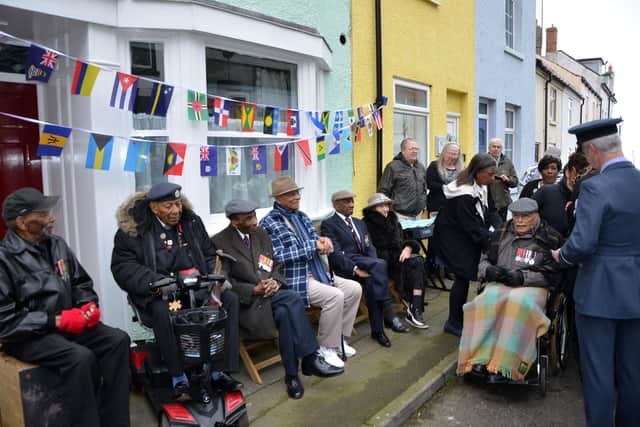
158	236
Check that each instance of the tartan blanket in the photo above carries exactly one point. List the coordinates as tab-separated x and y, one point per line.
500	328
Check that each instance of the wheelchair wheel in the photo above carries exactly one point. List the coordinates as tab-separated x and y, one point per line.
542	384
559	341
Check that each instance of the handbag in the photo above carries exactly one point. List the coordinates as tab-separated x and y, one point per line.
257	320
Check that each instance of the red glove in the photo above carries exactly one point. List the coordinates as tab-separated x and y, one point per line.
91	313
72	321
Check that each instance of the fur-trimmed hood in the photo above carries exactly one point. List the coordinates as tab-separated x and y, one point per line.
129	220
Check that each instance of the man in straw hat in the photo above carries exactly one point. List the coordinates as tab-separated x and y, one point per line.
297	245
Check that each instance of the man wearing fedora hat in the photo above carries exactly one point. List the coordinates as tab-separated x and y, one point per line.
605	245
297	245
355	256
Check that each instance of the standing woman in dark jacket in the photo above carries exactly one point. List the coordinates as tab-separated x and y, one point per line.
406	266
441	172
462	230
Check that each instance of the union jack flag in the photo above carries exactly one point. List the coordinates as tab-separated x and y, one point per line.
49	59
204	153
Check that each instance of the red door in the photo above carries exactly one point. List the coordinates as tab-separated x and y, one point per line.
19	166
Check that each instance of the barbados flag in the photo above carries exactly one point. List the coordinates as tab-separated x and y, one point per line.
52	140
137	155
84	77
99	152
160	99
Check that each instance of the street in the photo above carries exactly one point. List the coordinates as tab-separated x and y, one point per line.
461	403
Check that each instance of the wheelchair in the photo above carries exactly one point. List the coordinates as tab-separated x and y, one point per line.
552	348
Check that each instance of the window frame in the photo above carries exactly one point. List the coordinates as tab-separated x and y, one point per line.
553	105
509	19
415	110
485	117
510	131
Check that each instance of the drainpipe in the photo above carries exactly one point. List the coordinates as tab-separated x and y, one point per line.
581	106
379	100
546	112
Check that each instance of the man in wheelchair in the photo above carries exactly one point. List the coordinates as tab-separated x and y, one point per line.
502	323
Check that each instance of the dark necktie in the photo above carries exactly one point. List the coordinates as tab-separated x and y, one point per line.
354	234
246	241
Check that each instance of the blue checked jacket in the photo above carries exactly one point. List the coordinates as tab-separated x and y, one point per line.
290	250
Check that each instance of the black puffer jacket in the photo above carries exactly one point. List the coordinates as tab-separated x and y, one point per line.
387	236
133	261
34	289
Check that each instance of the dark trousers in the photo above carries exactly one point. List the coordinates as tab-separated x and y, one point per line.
457	298
609	364
296	338
93	368
158	310
411	276
376	289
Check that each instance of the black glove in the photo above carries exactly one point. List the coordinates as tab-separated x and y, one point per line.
493	273
513	278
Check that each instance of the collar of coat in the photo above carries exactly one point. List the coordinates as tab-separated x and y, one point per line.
134	216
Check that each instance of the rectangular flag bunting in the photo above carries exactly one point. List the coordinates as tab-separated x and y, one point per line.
360	117
259	159
40	64
52	140
220	113
305	151
84	78
316	120
293	122
335	147
160	99
377	116
248	116
346	141
281	157
99	152
326	116
352	124
270	122
368	120
321	147
197	106
338	123
174	159
137	155
125	90
208	160
234	158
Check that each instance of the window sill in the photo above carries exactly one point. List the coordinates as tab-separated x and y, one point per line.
514	53
436	2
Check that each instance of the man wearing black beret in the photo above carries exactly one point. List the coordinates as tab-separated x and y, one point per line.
159	235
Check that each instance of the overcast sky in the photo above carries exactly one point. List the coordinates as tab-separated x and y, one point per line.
609	29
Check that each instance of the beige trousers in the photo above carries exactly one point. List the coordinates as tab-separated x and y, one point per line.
339	306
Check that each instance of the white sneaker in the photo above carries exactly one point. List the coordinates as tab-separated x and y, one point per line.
348	350
331	357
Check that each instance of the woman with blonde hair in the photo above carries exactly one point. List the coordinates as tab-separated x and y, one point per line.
441	172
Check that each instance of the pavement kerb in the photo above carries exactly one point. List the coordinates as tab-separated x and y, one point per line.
401	408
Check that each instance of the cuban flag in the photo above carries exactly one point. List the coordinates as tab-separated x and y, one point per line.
125	89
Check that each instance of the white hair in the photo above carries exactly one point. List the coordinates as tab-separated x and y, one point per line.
607	144
496	140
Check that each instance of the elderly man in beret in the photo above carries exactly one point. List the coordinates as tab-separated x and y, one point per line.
517	269
159	235
355	256
605	245
49	315
297	245
259	281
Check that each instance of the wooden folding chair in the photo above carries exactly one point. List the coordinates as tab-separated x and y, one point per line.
253	368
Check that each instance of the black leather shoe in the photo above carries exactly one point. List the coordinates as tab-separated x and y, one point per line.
478	369
314	364
205	397
227	383
396	325
382	339
182	392
294	387
452	328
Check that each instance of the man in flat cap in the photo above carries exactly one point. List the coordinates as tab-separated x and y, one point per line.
259	281
158	236
517	269
297	245
355	256
605	245
49	315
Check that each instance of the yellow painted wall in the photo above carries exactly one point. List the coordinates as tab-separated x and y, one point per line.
421	42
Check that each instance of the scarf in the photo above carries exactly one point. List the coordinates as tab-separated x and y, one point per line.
478	192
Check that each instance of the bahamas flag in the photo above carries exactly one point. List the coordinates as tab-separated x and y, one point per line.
160	99
197	106
137	155
99	152
84	77
174	159
321	147
248	116
52	140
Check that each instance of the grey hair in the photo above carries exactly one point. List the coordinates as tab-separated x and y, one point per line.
494	140
459	164
404	142
607	144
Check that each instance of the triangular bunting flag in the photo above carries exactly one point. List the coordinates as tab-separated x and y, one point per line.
321	147
234	157
84	78
40	64
197	106
293	122
281	157
52	140
137	155
248	116
208	160
160	99
174	159
99	151
305	152
259	159
270	121
124	92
